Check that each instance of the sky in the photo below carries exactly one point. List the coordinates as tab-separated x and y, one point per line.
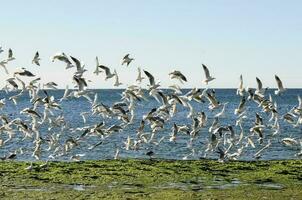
232	37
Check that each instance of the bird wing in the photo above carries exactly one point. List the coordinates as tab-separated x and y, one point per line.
241	82
126	56
36	55
150	77
10	53
206	71
259	83
107	70
77	62
279	83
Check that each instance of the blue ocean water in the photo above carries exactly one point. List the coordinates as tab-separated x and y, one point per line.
72	108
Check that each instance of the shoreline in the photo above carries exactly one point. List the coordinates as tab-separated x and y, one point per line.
152	179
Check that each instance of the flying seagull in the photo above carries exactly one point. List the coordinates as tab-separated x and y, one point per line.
97	71
64	58
3	64
107	72
260	90
240	90
207	74
127	60
178	75
24	72
117	83
10	55
36	59
139	76
280	89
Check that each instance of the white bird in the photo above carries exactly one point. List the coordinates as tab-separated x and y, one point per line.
152	84
280	89
139	76
241	107
117	154
207	74
213	101
221	113
300	102
64	58
260	90
3	64
107	72
66	93
117	83
51	85
79	66
10	55
178	75
97	71
127	60
241	89
36	59
23	72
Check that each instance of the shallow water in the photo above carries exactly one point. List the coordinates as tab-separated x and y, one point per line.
72	108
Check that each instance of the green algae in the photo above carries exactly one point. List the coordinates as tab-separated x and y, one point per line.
152	179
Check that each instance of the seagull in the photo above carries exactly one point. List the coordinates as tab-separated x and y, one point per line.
24	72
12	82
241	107
240	90
152	84
150	77
117	154
139	76
281	89
221	113
127	60
51	85
97	71
117	83
213	101
2	64
178	75
36	59
79	66
207	74
66	93
81	83
107	72
260	90
64	58
10	55
300	102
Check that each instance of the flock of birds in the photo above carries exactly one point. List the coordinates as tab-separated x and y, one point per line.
228	141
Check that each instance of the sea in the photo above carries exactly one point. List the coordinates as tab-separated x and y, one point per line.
182	148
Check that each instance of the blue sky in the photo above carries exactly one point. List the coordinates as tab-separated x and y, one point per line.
253	38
